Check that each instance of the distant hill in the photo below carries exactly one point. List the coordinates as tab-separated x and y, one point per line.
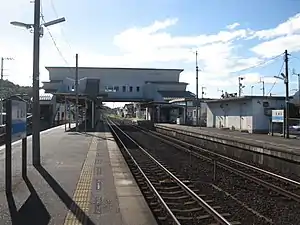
8	89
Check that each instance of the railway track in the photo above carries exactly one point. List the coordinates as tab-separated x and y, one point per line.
286	187
172	199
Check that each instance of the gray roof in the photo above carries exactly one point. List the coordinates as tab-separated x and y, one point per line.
245	98
176	94
166	82
113	68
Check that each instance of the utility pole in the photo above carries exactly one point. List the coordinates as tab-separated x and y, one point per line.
197	101
286	81
252	90
1	83
263	86
35	85
298	74
240	85
202	93
76	91
2	60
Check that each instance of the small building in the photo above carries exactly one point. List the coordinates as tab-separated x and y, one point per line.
248	113
190	106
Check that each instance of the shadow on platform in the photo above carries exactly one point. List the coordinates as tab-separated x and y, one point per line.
32	212
99	128
64	197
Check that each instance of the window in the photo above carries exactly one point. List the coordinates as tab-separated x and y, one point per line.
124	88
137	89
109	89
130	88
116	88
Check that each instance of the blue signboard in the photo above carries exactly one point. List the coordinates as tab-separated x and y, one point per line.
278	116
18	120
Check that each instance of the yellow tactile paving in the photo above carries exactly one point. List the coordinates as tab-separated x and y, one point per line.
83	190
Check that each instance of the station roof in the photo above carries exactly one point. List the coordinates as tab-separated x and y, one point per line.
113	68
245	98
166	82
176	94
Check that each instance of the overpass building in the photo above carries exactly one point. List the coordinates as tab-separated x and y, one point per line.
154	88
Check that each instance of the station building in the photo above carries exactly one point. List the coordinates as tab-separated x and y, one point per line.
247	113
152	89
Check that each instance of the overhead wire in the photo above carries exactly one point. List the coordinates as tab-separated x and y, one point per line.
56	46
62	31
52	38
258	64
276	80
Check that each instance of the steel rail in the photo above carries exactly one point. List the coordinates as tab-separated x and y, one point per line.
204	204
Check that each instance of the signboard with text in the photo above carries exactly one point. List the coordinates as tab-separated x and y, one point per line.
278	116
18	120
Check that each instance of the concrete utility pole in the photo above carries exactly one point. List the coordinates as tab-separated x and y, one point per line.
252	90
1	82
2	60
263	86
35	85
76	91
286	81
240	85
202	93
197	97
298	74
37	33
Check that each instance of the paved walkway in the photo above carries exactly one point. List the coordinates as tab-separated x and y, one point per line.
262	140
83	180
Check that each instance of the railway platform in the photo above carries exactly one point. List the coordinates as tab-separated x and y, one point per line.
288	149
83	179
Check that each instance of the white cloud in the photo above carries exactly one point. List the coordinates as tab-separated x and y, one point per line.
289	27
219	54
277	46
232	26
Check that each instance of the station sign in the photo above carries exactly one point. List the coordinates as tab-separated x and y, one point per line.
18	120
278	116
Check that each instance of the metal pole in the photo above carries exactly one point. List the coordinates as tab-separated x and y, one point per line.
35	78
239	87
85	111
1	82
65	117
263	83
76	89
69	108
197	101
93	114
286	93
298	88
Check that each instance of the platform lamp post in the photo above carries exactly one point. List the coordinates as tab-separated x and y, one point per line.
38	32
1	83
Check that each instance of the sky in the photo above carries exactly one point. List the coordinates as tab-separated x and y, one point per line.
232	37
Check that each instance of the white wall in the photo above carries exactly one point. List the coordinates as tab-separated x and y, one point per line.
171	87
112	78
235	115
261	121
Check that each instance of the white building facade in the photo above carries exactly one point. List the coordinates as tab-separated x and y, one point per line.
248	113
116	84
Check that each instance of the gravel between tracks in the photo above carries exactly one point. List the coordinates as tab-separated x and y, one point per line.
267	207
